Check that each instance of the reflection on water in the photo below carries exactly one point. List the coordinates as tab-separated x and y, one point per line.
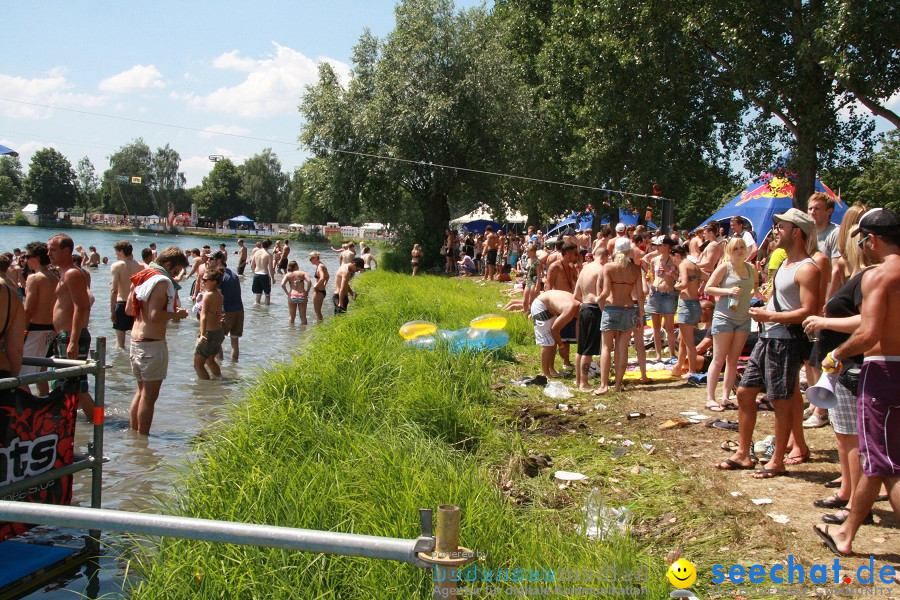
141	468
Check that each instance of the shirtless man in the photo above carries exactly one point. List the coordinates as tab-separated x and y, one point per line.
263	272
587	291
879	339
40	296
242	256
583	239
120	273
621	233
561	275
552	311
71	312
152	301
93	257
153	251
285	256
349	253
321	282
712	254
342	291
491	247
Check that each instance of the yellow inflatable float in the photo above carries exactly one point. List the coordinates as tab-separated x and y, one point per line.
488	322
414	329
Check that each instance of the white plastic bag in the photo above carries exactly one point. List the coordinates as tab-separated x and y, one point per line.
558	391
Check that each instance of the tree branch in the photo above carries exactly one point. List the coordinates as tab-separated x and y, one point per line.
874	107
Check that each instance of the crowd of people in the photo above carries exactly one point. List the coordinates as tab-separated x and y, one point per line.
811	296
46	301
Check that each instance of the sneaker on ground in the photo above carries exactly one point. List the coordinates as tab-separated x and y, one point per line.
814	421
761	446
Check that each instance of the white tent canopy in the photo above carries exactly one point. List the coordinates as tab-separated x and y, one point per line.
30	208
483	213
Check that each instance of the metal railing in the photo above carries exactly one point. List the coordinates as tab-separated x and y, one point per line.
61	368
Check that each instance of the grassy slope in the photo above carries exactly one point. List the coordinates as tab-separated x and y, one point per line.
358	432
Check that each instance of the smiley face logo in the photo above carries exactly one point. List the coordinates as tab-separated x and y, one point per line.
682	573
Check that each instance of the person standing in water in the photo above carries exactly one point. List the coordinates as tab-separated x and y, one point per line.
209	342
321	281
296	284
119	286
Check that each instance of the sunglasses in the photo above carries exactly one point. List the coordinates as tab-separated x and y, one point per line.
862	242
27	256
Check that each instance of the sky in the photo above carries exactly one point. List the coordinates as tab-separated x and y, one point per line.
182	73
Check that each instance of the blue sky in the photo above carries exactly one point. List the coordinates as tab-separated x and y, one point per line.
224	66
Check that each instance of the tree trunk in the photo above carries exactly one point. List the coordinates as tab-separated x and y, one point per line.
807	164
436	220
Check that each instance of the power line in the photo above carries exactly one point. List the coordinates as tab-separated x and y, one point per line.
351	152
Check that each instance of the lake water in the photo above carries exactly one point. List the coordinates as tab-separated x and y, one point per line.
142	467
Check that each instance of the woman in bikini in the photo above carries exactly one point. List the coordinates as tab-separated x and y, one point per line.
321	277
734	282
621	279
663	297
689	311
296	284
209	342
534	271
415	256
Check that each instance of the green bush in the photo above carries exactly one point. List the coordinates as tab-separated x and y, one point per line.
21	220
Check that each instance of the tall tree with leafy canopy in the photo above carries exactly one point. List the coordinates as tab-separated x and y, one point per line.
120	194
263	186
168	182
87	183
879	182
11	178
434	92
219	196
51	181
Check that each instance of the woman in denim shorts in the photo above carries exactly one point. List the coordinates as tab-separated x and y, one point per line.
621	280
689	311
735	282
663	297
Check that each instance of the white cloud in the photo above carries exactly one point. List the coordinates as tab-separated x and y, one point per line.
272	87
212	130
52	90
136	79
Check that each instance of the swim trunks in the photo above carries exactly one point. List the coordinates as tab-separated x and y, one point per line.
343	305
123	322
774	366
568	332
233	323
38	339
543	324
492	257
61	342
262	284
149	360
241	267
589	337
283	264
878	416
210	346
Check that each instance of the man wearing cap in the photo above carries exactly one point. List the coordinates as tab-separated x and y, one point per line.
776	360
620	234
878	402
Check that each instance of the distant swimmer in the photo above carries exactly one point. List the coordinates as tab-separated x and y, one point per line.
120	275
152	301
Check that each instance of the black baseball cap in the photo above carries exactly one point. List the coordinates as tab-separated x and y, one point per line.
878	221
217	255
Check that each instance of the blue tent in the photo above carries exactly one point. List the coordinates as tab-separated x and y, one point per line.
240	221
586	221
766	197
5	150
479	225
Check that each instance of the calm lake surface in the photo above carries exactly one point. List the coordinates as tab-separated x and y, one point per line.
141	468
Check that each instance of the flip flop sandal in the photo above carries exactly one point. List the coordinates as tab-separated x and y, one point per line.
768	473
729	446
734	465
765	405
838	518
831	502
796	460
827	540
833	484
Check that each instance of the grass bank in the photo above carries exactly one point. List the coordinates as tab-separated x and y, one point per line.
357	432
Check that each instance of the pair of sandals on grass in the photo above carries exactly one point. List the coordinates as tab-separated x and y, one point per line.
729	405
759	473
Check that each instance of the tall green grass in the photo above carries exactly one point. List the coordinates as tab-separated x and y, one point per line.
355	434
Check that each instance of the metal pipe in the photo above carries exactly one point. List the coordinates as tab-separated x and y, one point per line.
34	361
65	373
446	545
288	538
96	449
42	478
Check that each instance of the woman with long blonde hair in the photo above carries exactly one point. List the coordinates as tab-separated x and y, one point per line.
735	282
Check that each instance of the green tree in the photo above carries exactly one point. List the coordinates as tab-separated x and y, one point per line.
167	182
263	186
11	177
219	195
130	161
435	92
879	183
51	181
87	183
